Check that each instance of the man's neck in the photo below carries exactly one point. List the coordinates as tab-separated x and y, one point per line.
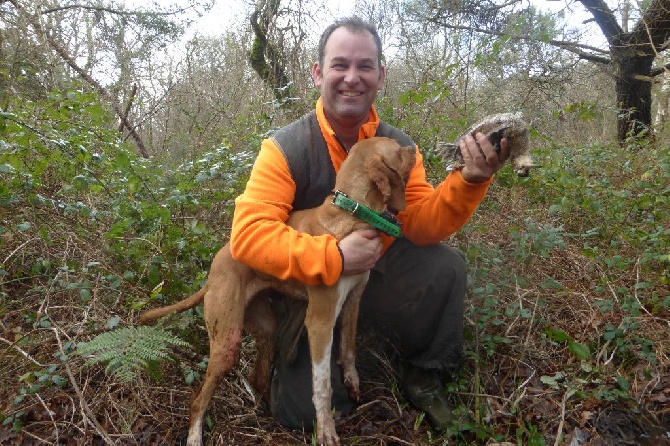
347	135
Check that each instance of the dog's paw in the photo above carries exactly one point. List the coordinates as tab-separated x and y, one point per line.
352	382
326	434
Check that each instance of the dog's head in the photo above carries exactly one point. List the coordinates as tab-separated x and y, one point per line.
386	166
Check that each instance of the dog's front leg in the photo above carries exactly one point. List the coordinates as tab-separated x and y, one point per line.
323	308
348	322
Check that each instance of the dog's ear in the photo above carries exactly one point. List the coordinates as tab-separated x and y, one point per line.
388	181
379	173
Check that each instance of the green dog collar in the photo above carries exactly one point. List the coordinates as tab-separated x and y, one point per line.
384	222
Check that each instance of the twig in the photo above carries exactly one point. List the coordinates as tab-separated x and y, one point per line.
483	395
637	280
44	305
518	315
610	287
19	247
24	353
88	414
562	422
522	386
50	412
246	385
40	440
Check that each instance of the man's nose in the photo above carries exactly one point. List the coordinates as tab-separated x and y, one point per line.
352	76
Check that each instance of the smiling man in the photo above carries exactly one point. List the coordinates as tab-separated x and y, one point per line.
414	298
349	73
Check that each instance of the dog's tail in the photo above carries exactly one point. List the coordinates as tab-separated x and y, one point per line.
151	316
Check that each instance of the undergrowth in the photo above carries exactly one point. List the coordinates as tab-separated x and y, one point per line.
570	298
567	317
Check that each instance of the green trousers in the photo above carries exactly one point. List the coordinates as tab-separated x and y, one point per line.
413	302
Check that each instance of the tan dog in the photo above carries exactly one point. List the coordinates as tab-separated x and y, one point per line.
373	175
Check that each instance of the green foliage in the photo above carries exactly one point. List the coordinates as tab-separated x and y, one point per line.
87	224
606	209
627	188
128	350
529	435
536	240
419	111
580	351
61	159
583	110
47	146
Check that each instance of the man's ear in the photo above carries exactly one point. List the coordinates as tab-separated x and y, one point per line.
317	75
382	76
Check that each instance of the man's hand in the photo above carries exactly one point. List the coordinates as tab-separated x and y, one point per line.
360	251
480	158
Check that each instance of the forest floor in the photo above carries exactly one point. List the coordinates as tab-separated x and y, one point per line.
553	358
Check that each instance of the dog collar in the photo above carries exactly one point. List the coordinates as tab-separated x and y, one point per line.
384	221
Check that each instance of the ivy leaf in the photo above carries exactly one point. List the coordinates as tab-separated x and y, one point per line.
24	226
580	351
556	334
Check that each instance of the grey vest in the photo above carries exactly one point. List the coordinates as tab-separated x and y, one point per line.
306	153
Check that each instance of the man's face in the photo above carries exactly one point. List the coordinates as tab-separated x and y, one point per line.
350	76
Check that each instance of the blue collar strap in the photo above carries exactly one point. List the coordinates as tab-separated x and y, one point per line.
384	221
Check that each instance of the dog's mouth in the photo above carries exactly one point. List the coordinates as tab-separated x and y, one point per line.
390	210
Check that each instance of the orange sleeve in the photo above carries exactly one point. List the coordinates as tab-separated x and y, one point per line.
260	237
433	214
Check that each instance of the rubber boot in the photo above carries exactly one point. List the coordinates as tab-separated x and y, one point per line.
425	391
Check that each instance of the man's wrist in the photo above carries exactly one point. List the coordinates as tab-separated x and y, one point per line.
474	179
341	255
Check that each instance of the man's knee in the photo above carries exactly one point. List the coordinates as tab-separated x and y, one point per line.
448	261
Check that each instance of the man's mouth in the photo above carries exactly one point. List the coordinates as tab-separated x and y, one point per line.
351	94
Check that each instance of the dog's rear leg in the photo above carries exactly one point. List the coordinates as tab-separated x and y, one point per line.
259	321
348	322
224	317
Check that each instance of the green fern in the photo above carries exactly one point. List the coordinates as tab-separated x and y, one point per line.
129	350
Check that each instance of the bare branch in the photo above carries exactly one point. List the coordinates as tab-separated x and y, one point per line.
62	52
111	10
579	49
654	26
605	19
660	70
87	7
126	111
100	89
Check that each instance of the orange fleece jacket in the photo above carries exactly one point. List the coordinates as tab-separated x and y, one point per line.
261	239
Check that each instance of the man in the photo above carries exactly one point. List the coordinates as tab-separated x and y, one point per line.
417	285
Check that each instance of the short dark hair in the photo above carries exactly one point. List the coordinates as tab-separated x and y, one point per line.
353	24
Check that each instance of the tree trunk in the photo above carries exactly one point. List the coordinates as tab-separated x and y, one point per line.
662	104
633	91
633	54
265	57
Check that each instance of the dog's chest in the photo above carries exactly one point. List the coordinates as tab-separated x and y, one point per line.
346	284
